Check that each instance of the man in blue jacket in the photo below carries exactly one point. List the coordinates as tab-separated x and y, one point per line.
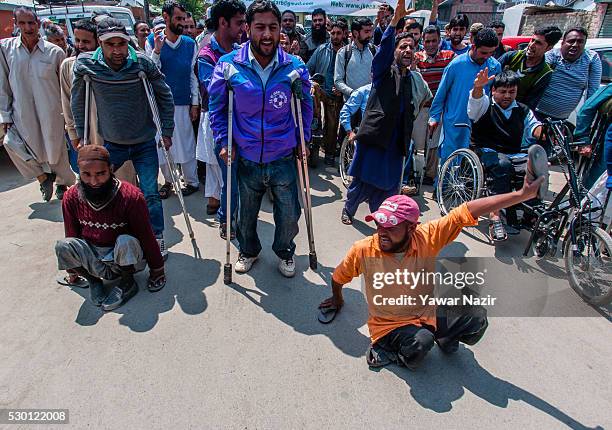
265	138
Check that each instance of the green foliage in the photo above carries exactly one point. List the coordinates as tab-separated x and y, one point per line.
196	7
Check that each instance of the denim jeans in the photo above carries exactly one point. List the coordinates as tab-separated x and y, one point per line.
144	157
234	203
72	155
253	179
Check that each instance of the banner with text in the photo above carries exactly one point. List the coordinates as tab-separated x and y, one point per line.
332	7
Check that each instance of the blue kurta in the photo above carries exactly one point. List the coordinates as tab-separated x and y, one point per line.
450	102
380	167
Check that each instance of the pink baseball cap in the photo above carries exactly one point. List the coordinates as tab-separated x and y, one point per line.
395	210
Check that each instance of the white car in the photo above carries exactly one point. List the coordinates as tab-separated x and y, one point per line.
70	14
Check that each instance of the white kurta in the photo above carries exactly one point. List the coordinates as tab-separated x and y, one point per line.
205	152
30	96
183	149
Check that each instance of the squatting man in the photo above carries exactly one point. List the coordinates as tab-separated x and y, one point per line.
404	334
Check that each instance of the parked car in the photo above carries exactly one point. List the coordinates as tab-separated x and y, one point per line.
516	42
70	14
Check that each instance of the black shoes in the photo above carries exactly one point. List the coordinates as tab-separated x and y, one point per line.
189	190
46	187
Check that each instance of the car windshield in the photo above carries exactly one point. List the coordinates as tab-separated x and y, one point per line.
606	64
126	19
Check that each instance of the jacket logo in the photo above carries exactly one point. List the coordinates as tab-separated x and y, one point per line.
278	99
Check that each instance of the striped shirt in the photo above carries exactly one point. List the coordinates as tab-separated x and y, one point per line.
569	82
432	68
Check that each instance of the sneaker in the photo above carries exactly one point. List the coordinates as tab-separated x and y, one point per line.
60	190
162	248
46	187
287	267
244	263
119	296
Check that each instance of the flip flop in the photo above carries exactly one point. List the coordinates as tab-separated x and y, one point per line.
327	315
537	165
64	280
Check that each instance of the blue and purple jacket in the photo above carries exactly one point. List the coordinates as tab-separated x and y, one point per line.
263	126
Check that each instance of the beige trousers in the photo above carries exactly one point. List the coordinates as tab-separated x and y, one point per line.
32	169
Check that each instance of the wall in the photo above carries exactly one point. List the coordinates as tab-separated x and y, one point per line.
564	20
476	10
6	23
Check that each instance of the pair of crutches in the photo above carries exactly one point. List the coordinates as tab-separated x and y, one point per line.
302	167
174	177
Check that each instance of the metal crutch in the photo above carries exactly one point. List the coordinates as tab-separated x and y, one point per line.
426	159
227	268
302	164
401	182
172	167
87	80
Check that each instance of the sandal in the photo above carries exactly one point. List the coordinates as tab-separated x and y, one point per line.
346	218
497	231
378	357
79	283
212	209
409	190
327	315
537	165
164	191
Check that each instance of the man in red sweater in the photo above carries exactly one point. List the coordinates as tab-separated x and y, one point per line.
108	233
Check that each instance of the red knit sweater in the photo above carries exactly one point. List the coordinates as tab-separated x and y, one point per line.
127	213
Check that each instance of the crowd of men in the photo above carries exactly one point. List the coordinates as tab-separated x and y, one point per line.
385	85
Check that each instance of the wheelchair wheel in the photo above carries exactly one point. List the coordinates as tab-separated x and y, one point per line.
589	264
461	180
347	151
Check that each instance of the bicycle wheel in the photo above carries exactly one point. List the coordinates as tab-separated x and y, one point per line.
461	180
347	151
589	264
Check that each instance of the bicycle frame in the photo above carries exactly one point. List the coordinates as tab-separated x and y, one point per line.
561	207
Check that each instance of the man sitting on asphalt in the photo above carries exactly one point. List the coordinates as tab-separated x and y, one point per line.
531	64
265	138
405	333
108	233
501	129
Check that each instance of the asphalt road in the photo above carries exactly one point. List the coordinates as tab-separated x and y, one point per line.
200	354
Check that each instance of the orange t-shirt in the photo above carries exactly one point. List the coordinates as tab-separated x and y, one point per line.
365	258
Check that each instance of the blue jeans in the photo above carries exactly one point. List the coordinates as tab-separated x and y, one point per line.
234	203
146	164
253	179
72	155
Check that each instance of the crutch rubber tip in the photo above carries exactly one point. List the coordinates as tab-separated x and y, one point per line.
227	274
313	260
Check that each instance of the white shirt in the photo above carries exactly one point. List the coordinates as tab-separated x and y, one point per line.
478	107
264	73
194	85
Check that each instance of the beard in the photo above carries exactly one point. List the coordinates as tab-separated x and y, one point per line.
319	35
176	29
99	195
365	41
